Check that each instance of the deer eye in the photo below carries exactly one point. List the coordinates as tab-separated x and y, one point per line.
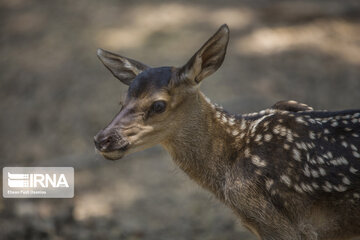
158	106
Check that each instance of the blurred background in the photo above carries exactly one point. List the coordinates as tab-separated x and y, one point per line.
55	95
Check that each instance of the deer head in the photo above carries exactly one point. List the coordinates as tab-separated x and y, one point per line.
158	100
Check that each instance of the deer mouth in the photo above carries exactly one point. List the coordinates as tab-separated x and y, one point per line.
112	147
115	154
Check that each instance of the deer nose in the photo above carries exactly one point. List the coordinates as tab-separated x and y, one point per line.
102	141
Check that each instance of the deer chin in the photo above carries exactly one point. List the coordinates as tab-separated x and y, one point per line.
113	155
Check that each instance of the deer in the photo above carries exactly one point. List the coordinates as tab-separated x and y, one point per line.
287	172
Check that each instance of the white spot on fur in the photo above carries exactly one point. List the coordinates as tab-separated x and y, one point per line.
266	123
320	160
326	189
247	152
306	171
309	145
356	154
343	160
283	131
304	146
243	125
312	135
340	188
314	173
231	121
285	179
312	121
322	171
258	138
301	120
306	188
267	137
289	136
276	129
315	185
301	145
339	161
269	183
257	161
296	155
346	181
298	189
329	185
334	124
353	170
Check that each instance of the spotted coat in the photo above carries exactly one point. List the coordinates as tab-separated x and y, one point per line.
291	156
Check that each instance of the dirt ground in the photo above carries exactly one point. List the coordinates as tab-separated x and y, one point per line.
55	95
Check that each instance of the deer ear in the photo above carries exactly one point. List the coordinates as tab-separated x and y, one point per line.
125	69
208	58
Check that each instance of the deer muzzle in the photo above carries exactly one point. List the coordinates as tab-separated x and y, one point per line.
111	145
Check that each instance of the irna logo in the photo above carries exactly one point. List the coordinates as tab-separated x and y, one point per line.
37	180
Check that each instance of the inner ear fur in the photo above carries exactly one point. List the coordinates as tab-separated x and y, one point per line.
123	68
208	58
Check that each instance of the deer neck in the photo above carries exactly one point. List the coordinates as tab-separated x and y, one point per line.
204	146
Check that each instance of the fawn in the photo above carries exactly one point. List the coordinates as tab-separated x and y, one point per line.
288	172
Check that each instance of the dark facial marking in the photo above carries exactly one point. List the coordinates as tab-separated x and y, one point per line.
151	79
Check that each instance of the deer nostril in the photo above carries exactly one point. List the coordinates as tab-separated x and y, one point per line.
107	142
102	142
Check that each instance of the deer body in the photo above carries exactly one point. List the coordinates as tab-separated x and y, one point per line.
266	168
288	172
